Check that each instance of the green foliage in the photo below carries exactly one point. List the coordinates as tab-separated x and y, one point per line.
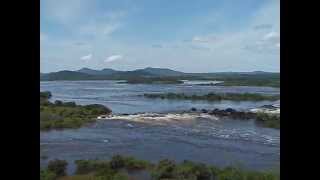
164	170
87	166
60	114
269	120
45	94
215	97
58	167
119	168
47	175
190	170
232	173
120	176
116	163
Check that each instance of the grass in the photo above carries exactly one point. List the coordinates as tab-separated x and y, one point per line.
215	97
61	115
269	120
119	168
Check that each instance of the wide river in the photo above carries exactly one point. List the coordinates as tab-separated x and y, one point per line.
156	132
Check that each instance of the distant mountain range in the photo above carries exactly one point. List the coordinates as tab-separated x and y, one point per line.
111	74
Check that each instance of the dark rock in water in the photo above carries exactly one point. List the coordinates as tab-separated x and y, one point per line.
230	110
193	109
204	111
268	106
215	111
232	113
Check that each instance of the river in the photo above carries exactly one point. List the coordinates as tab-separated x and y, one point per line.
156	132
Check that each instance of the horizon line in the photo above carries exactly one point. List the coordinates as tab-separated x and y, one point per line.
163	68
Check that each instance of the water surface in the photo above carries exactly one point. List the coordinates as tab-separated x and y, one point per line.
156	132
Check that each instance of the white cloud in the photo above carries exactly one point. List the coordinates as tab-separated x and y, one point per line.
113	58
272	36
87	57
43	36
204	39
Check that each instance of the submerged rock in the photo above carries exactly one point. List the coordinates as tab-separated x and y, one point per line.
204	111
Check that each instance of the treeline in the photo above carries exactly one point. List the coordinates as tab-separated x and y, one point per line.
155	80
120	168
215	96
59	115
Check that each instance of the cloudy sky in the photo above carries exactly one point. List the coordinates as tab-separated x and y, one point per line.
190	36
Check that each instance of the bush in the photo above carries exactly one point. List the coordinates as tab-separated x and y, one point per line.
164	169
135	164
47	175
269	120
120	176
58	167
190	170
45	95
88	166
117	162
117	169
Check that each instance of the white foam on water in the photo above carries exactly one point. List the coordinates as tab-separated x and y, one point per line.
130	125
155	117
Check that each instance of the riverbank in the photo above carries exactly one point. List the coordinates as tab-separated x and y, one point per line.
122	167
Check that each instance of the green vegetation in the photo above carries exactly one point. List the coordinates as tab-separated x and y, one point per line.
56	168
159	80
120	168
59	115
215	97
249	82
269	120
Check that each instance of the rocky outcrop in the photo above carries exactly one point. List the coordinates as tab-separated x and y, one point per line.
228	112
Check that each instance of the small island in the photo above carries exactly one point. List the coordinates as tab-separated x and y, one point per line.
159	80
61	115
215	96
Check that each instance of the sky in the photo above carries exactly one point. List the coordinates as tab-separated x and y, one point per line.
189	36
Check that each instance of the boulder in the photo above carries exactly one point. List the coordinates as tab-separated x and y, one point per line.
193	109
204	111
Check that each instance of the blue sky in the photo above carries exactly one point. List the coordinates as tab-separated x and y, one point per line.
190	36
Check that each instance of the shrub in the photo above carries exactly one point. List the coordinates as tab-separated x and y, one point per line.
117	162
47	175
45	95
88	166
58	167
164	169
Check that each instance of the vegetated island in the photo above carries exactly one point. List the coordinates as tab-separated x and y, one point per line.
157	80
122	168
270	120
214	96
60	115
